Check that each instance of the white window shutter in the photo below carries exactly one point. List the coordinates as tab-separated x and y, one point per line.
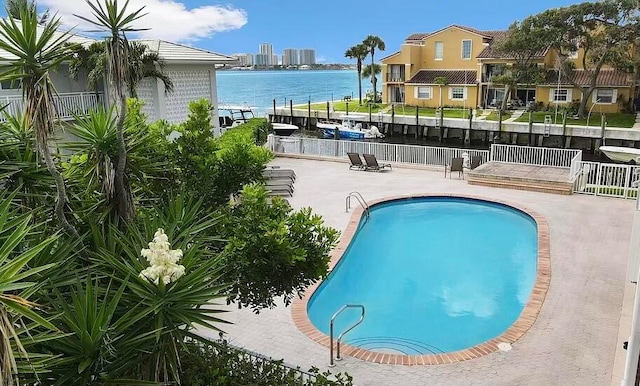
415	92
594	96
569	96
430	92
464	94
614	98
450	92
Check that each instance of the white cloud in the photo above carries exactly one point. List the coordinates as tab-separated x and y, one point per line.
166	19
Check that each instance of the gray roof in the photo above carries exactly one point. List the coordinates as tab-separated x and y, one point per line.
168	51
174	52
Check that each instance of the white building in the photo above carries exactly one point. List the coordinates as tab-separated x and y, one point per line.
192	71
262	60
244	59
266	49
307	56
290	57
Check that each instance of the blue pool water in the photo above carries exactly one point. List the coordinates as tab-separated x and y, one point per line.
435	274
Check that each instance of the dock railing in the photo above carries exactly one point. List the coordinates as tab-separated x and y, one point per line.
388	152
540	156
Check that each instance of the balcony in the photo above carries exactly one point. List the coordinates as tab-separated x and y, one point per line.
395	78
66	104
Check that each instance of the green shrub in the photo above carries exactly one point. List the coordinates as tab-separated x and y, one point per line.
273	250
221	365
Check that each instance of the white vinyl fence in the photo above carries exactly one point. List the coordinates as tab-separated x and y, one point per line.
389	152
604	179
540	156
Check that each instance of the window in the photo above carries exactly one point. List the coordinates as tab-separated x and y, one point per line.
457	93
604	96
439	51
423	92
561	95
11	85
466	49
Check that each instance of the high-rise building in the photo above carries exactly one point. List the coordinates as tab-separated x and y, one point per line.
262	60
290	57
307	56
244	59
274	60
267	49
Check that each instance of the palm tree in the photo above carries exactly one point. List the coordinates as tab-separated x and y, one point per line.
143	64
372	43
367	72
358	52
116	22
35	52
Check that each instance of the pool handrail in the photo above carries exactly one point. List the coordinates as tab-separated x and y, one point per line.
331	363
360	199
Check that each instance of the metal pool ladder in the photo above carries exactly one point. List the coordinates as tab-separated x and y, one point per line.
361	201
333	318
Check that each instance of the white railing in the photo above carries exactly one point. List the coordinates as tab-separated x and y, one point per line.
609	180
540	156
66	104
389	152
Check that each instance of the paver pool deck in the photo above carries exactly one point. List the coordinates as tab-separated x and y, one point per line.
572	342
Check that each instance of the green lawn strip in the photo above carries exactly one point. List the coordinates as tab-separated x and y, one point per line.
613	119
399	110
494	116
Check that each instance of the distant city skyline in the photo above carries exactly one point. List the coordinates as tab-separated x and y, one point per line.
241	25
266	56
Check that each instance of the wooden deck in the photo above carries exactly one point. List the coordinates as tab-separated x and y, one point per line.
544	179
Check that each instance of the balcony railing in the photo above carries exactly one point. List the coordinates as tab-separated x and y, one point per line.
393	77
66	104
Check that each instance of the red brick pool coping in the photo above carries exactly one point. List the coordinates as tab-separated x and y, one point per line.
524	322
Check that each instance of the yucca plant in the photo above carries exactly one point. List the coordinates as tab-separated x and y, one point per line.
171	308
116	22
91	170
34	50
21	169
17	272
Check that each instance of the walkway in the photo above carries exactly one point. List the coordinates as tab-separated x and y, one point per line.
573	341
515	114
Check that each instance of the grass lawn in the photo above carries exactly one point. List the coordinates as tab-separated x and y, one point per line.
399	110
342	106
493	116
613	119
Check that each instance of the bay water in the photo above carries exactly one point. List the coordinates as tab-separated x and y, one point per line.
258	89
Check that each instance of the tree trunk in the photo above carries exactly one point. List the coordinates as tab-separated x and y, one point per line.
505	99
61	192
123	200
360	82
373	78
586	94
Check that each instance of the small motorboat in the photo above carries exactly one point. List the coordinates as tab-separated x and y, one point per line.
349	128
284	129
627	155
234	115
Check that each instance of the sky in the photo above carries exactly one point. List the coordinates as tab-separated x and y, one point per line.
328	26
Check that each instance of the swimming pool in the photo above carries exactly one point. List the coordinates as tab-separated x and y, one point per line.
435	274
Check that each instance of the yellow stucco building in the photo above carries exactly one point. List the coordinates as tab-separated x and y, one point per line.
454	67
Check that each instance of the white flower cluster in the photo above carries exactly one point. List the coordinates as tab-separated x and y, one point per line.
162	259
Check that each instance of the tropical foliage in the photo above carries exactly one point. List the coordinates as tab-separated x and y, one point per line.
113	296
373	43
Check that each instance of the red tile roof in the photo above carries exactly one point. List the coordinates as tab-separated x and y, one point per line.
452	76
606	78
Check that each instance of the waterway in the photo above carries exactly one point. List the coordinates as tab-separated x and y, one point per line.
258	89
